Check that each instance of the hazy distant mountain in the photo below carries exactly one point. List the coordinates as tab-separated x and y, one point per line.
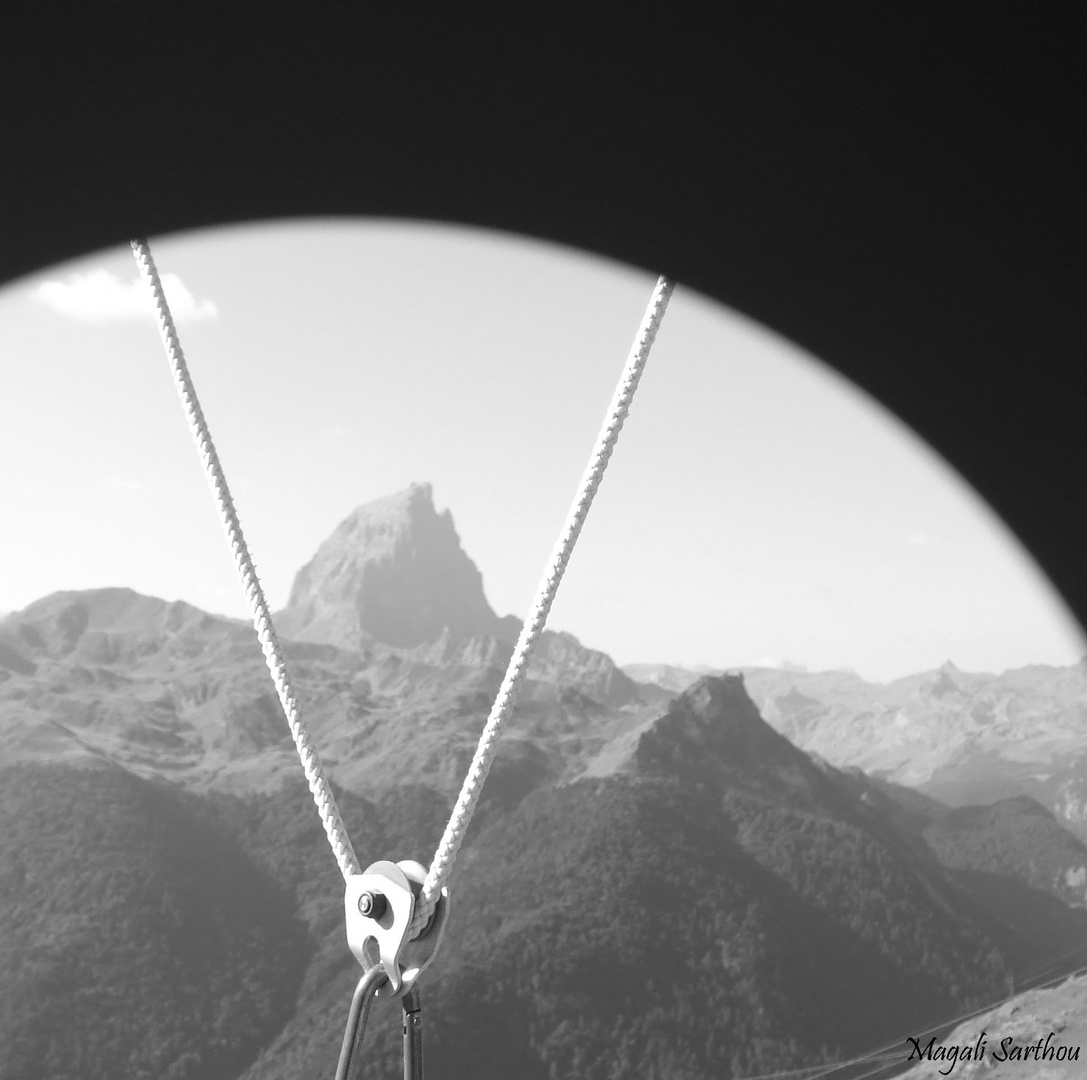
666	676
964	737
394	572
654	884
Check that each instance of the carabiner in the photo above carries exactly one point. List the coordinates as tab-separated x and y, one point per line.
361	1001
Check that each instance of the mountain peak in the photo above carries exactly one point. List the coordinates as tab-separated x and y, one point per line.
393	571
716	718
383	525
945	680
713	734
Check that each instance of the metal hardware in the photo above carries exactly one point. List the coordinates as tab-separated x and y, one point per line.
372	904
361	1001
379	906
378	936
413	1035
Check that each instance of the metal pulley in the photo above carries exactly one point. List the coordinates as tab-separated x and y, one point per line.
379	905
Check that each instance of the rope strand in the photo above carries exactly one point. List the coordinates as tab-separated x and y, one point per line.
262	618
446	854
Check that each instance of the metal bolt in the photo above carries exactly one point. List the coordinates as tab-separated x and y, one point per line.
372	904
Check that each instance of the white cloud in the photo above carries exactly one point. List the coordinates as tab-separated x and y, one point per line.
101	296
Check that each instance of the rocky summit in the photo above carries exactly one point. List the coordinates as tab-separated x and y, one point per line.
393	571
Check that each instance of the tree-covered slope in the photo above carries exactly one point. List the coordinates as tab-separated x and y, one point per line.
139	940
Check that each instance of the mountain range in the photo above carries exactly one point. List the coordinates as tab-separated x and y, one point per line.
666	877
964	737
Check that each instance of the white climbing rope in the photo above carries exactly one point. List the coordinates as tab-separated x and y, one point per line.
262	618
446	854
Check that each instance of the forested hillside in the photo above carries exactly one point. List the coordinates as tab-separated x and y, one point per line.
138	939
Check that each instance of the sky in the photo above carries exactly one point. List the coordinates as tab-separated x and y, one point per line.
759	509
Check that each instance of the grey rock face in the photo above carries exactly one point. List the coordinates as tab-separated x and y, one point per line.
394	572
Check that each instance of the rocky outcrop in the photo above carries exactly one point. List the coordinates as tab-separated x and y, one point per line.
393	572
713	735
